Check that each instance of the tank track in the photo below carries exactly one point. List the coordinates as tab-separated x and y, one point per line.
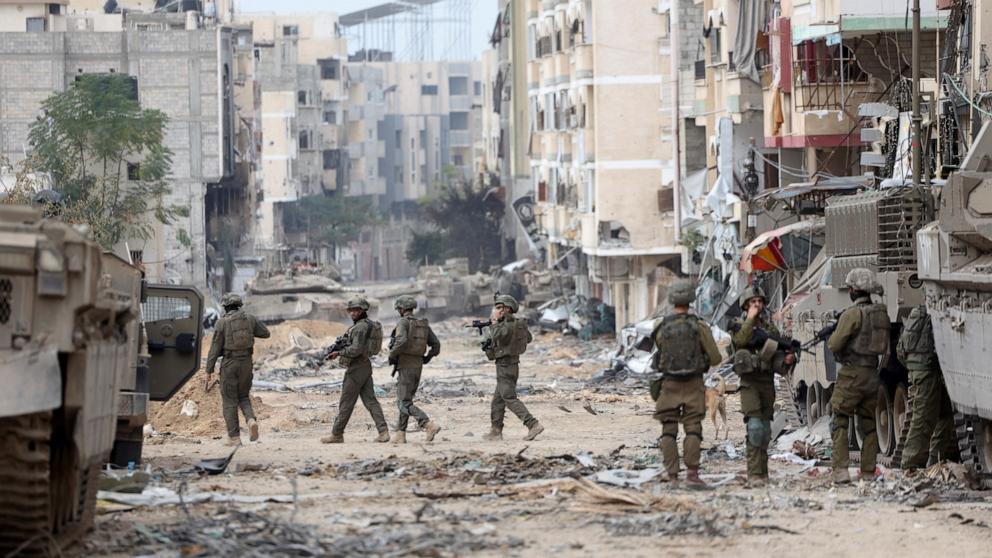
968	446
47	502
789	405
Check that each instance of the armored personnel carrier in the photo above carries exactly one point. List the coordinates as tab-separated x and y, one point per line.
84	345
874	229
955	265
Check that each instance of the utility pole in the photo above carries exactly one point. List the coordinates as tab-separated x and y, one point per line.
673	18
917	118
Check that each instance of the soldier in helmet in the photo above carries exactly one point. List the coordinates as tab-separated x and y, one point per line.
507	339
861	337
686	350
409	340
757	373
234	339
355	356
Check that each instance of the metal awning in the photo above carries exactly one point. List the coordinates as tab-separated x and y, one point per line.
382	11
765	253
840	184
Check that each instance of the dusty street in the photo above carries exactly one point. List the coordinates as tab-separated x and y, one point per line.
461	495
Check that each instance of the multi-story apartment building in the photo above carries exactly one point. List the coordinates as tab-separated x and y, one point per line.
601	151
365	112
179	66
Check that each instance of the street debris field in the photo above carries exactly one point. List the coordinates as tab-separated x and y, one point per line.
590	485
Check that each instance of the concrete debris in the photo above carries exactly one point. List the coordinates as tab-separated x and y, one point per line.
807	442
189	409
625	477
584	317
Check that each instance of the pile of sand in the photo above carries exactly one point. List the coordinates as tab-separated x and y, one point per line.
209	422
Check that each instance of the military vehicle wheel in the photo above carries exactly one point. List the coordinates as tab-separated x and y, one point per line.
813	408
828	394
900	413
883	421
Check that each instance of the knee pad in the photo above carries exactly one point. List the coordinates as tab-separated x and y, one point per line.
759	432
838	422
698	435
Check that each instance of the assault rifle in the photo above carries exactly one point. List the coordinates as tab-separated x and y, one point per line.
339	344
480	324
759	336
822	335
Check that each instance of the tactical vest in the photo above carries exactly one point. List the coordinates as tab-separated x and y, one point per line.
239	336
872	338
416	337
518	341
680	350
916	347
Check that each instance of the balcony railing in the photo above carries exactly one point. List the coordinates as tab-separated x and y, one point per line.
583	62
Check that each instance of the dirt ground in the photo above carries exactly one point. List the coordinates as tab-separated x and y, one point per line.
463	496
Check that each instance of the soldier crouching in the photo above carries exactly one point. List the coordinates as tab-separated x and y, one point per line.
686	350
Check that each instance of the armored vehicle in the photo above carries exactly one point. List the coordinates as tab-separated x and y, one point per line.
78	369
955	265
876	230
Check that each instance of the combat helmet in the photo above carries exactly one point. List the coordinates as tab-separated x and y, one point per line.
861	279
682	292
230	299
358	302
752	292
508	301
405	302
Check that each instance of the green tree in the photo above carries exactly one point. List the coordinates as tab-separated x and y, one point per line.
470	217
426	247
332	220
104	154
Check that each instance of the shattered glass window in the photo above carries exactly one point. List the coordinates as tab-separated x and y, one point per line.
160	308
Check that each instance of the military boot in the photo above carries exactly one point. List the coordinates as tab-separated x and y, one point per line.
431	430
333	439
673	479
534	431
384	437
399	437
495	435
841	476
233	441
756	481
253	430
692	479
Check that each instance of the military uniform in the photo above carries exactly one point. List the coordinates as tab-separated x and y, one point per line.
504	342
358	378
757	396
234	340
931	431
409	340
861	337
686	350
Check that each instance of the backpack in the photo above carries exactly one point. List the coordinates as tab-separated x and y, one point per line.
916	342
416	335
375	338
238	333
680	350
873	337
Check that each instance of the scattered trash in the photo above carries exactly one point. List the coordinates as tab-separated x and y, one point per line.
626	477
190	409
215	466
589	409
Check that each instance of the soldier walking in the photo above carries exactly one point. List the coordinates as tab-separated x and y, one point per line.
234	339
757	381
686	350
409	340
364	340
931	431
861	337
507	339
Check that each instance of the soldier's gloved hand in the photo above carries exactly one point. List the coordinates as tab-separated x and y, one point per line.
393	361
428	358
207	384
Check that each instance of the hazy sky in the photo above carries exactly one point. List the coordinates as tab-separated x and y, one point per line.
483	12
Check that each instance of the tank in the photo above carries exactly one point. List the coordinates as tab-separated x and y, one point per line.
874	230
955	266
78	372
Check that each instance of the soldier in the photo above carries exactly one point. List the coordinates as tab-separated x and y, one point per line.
757	373
234	339
358	374
932	426
686	350
505	341
861	337
409	340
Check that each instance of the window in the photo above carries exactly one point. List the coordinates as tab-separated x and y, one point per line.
458	85
35	24
329	68
459	121
330	117
332	158
133	171
161	308
301	97
428	90
423	137
477	87
304	140
399	137
715	46
399	175
137	256
290	30
458	161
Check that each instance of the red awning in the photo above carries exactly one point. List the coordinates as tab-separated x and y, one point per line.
764	253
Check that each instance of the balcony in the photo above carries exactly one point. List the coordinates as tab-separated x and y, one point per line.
533	8
459	138
582	60
821	18
460	103
584	146
547	71
331	89
533	74
563	69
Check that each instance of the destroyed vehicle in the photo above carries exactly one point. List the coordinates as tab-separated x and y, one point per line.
636	348
582	316
85	343
299	297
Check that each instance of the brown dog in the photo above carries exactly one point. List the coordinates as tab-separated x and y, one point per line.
716	402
